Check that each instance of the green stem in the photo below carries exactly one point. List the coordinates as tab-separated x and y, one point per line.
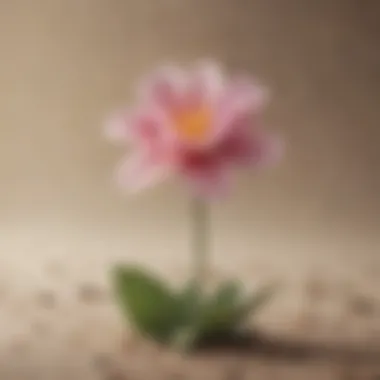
199	250
200	240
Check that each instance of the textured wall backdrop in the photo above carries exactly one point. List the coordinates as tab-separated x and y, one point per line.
313	223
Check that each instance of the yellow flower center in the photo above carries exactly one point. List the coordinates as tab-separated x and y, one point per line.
193	125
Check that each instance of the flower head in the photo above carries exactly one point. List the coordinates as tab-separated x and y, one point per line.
198	125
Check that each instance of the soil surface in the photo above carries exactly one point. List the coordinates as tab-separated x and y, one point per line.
250	358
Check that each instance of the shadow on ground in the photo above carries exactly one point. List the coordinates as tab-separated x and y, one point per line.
265	346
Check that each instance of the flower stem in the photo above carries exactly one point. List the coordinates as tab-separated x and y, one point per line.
200	236
199	249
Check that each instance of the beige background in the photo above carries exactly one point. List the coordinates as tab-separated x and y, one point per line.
313	222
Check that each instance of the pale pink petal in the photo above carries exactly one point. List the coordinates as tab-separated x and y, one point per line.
164	87
141	125
118	127
242	98
205	85
139	172
151	126
147	128
245	95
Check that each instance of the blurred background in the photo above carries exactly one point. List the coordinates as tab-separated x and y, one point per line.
313	223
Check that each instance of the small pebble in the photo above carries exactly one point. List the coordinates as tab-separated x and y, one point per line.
316	290
90	293
102	362
362	306
47	299
40	328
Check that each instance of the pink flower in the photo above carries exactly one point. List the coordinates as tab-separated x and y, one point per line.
198	125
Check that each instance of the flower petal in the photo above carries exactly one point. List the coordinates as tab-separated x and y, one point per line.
242	99
147	127
238	148
118	127
151	127
164	87
245	95
140	171
244	145
205	85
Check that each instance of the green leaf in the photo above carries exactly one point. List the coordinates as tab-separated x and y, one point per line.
228	294
203	316
227	310
219	313
190	299
147	301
